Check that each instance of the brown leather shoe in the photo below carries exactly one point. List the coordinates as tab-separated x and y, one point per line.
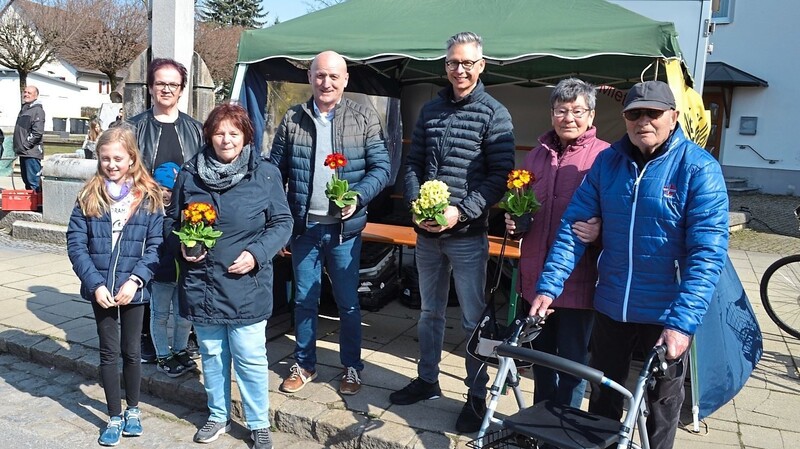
298	378
351	382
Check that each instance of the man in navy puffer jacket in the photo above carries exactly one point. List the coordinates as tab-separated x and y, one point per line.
664	208
464	138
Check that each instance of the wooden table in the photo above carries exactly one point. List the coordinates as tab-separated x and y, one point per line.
406	236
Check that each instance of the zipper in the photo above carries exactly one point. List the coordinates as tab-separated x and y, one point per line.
630	239
677	272
158	138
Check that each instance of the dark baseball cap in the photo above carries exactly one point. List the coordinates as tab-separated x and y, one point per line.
649	95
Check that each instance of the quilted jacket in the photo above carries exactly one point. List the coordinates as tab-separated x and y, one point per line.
467	144
136	251
358	136
664	237
556	179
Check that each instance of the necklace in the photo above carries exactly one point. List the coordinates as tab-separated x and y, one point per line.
123	191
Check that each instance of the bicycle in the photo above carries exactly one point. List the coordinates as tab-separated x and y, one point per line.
558	425
780	292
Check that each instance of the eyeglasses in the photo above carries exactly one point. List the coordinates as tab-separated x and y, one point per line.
172	87
636	114
467	64
577	112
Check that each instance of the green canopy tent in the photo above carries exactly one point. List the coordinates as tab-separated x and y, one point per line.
392	44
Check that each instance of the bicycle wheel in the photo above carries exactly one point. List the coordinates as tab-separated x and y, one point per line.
780	293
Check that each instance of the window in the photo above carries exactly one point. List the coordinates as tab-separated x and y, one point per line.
723	13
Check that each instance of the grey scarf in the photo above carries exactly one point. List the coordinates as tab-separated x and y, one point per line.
218	176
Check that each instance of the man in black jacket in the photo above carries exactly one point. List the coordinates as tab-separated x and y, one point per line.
164	134
28	138
465	139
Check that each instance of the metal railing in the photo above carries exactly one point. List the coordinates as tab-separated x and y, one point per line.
744	147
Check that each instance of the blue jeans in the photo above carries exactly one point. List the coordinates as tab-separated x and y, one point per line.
30	168
467	257
318	247
245	345
164	295
566	334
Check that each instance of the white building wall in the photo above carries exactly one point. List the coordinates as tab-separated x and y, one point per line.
762	40
58	100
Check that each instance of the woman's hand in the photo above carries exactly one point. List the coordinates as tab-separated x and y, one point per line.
126	293
103	297
587	231
348	211
243	264
190	258
510	225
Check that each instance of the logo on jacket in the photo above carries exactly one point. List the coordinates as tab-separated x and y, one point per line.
669	191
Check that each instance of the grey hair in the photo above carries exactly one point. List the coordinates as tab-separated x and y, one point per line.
466	37
570	89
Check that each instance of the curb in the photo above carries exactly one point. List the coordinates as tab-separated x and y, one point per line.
330	424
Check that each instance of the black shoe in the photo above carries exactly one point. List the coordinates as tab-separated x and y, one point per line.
185	359
192	348
171	367
417	390
471	416
148	350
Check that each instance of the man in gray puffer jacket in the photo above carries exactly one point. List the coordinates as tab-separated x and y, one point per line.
325	234
28	138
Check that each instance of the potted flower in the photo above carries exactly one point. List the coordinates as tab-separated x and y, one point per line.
196	233
520	202
337	189
432	201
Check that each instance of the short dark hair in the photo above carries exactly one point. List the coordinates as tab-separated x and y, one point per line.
233	113
160	63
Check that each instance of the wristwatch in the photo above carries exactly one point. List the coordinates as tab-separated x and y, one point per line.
462	217
139	283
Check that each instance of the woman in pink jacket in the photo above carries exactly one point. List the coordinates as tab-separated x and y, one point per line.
558	164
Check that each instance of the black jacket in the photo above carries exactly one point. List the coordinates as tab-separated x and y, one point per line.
148	133
468	145
28	131
253	216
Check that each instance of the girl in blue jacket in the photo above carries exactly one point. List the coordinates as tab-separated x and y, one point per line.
112	241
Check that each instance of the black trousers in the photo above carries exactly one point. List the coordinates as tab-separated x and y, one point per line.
612	345
124	337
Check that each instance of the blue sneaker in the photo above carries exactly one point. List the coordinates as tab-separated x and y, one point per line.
133	422
112	433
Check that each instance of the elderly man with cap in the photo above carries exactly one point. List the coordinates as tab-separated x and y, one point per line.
664	207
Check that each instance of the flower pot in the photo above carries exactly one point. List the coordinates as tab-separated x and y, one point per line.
196	250
522	223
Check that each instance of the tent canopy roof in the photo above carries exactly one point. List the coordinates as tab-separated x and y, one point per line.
526	42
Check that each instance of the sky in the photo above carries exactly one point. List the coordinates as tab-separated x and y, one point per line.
284	9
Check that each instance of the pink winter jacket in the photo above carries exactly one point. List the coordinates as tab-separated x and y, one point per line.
555	183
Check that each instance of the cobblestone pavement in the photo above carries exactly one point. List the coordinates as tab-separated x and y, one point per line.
773	227
46	408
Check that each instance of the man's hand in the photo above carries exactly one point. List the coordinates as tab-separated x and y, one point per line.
284	252
450	214
587	231
243	264
677	343
540	306
348	211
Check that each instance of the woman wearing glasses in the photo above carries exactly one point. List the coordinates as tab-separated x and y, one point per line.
558	165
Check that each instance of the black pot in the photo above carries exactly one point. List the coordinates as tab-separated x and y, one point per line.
196	250
522	223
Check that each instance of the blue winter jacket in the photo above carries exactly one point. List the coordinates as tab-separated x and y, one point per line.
136	252
665	234
358	136
253	216
467	144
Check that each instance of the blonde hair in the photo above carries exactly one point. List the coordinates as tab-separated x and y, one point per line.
95	129
93	198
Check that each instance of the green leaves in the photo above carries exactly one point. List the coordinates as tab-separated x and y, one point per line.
191	234
518	202
338	191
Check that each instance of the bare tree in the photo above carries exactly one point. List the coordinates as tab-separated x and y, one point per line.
111	39
218	45
316	5
31	32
